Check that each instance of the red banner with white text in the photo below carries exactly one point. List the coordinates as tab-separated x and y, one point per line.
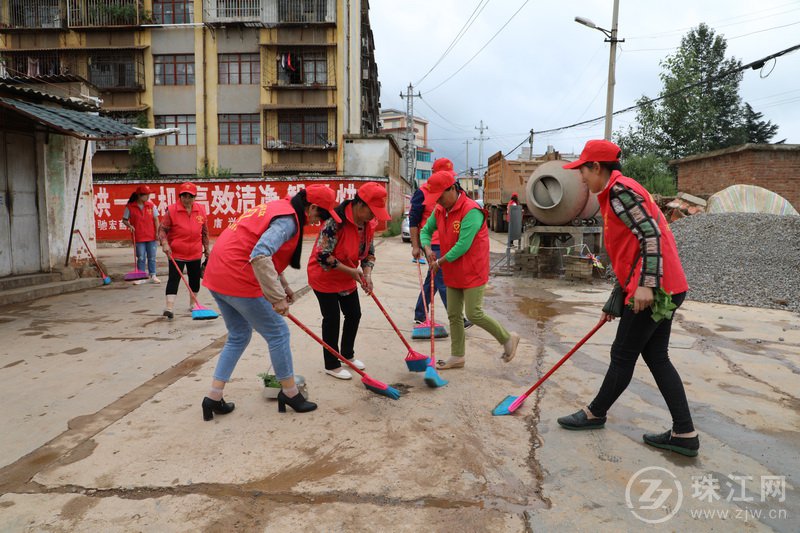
223	200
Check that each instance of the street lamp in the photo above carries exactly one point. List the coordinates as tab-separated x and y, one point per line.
611	37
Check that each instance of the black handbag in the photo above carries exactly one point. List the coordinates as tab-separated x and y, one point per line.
615	304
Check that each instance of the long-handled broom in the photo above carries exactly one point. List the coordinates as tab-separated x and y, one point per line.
374	385
106	279
198	312
512	403
135	274
422	331
415	361
432	378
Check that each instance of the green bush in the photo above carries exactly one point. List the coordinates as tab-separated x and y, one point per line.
652	172
393	228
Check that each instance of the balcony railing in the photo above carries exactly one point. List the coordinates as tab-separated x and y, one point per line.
92	13
34	14
270	12
37	64
123	71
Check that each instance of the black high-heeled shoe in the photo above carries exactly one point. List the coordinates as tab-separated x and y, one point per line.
298	403
220	407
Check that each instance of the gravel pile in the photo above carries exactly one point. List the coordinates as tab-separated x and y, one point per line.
741	258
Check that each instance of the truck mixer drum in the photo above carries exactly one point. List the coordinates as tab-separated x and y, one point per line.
557	196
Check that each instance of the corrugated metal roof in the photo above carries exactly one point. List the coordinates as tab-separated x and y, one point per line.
78	124
40	95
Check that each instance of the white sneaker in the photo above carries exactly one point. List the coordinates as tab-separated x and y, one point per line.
154	279
139	281
358	364
340	373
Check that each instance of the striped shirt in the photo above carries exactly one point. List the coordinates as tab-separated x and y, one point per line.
630	209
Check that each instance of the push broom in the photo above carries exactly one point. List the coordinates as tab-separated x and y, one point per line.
198	312
512	403
135	274
106	279
415	361
378	387
432	378
422	331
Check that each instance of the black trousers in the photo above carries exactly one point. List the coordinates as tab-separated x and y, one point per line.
330	304
192	271
637	333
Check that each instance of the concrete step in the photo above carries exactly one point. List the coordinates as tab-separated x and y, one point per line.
34	292
28	280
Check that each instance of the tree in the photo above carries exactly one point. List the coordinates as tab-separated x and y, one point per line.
652	172
700	109
143	164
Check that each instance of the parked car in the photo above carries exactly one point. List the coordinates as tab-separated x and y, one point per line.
405	232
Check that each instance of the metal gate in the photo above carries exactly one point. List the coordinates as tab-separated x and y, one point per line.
20	251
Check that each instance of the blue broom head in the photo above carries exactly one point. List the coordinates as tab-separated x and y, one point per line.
439	332
381	388
424	332
204	314
432	378
417	365
106	280
502	407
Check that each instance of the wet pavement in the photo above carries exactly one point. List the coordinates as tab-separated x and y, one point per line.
105	430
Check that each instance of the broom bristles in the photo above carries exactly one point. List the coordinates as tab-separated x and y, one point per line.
380	388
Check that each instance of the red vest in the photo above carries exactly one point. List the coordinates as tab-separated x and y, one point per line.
623	246
426	213
185	237
143	221
345	251
471	269
229	270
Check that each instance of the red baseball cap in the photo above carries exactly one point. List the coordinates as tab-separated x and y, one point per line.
597	150
324	197
442	164
438	183
374	195
143	189
187	187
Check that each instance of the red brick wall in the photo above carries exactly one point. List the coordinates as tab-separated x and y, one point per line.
776	170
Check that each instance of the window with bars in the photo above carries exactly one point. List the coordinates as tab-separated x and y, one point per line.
173	11
185	123
131	119
302	10
239	69
302	67
174	69
108	71
239	129
425	157
303	128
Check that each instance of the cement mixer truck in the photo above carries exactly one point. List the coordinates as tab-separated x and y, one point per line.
549	194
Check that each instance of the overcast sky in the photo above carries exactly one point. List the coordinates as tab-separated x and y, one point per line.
543	70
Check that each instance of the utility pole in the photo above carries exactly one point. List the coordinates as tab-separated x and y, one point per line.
480	140
612	79
467	142
530	143
411	144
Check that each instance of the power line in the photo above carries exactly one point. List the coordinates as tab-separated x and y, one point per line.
472	18
726	38
757	64
481	49
442	116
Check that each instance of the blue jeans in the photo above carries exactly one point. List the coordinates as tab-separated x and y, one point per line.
146	250
438	285
242	316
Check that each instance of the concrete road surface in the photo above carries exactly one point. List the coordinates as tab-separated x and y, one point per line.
102	427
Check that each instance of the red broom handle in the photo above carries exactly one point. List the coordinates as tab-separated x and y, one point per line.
135	257
90	253
191	292
394	326
561	362
422	291
325	345
433	342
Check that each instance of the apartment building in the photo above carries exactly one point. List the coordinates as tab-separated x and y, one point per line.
394	123
257	88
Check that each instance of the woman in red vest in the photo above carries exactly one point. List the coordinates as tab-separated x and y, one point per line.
245	277
464	241
343	256
643	252
183	235
141	217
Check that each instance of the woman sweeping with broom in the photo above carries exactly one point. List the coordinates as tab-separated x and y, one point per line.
643	252
245	277
464	241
